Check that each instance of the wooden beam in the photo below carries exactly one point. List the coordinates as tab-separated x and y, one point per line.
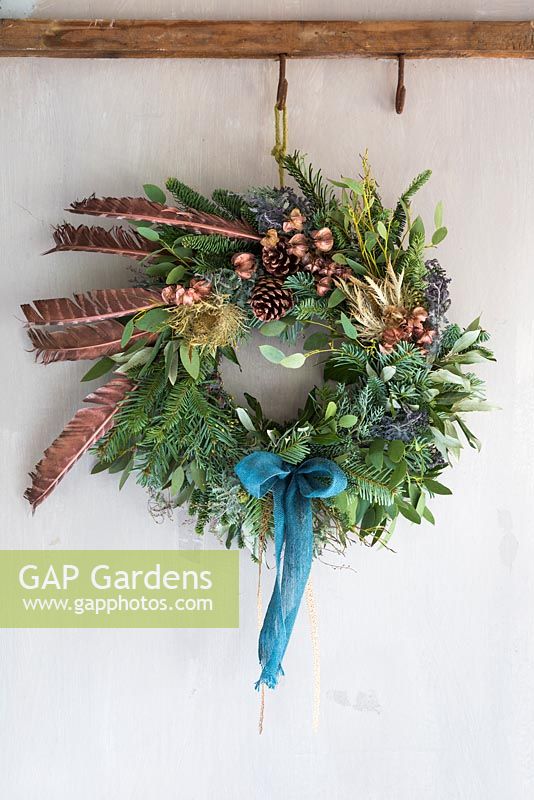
203	39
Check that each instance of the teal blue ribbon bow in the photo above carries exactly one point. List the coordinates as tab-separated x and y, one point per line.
292	488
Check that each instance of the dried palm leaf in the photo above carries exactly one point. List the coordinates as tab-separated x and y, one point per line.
371	301
139	209
78	342
94	239
86	427
92	306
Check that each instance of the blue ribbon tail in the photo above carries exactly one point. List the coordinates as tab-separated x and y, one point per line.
292	488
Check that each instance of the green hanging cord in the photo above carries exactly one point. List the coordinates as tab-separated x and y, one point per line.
279	150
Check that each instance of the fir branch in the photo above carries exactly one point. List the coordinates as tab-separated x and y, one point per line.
230	201
218	245
186	197
311	183
399	215
370	483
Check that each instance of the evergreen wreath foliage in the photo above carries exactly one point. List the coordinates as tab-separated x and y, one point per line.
326	264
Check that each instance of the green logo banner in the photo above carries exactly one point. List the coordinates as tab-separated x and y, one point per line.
119	589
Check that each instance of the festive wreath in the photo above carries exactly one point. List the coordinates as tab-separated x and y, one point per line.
368	445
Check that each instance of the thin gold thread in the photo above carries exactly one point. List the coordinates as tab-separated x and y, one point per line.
316	655
265	523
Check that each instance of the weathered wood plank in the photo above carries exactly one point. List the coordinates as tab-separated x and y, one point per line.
262	39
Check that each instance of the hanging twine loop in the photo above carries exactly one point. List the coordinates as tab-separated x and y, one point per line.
280	120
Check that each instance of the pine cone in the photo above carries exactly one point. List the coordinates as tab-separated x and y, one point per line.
279	261
269	299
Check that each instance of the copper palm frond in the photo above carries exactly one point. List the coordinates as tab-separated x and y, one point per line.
95	239
86	427
92	306
139	208
77	342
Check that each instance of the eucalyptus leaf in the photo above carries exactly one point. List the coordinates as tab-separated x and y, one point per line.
347	421
229	353
100	466
330	411
138	359
154	193
190	359
435	487
370	240
126	474
245	420
153	353
152	320
466	340
398	475
421	504
349	183
376	453
158	270
387	373
182	252
439	235
438	215
119	464
417	228
475	325
317	341
468	404
127	332
396	450
172	374
272	354
471	357
148	233
199	476
335	298
273	328
356	267
381	228
428	515
177	480
100	368
294	361
409	512
348	327
447	376
446	441
176	274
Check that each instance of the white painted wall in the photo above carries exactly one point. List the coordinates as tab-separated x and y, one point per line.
427	654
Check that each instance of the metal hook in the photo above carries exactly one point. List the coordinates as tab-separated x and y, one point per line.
281	94
400	95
